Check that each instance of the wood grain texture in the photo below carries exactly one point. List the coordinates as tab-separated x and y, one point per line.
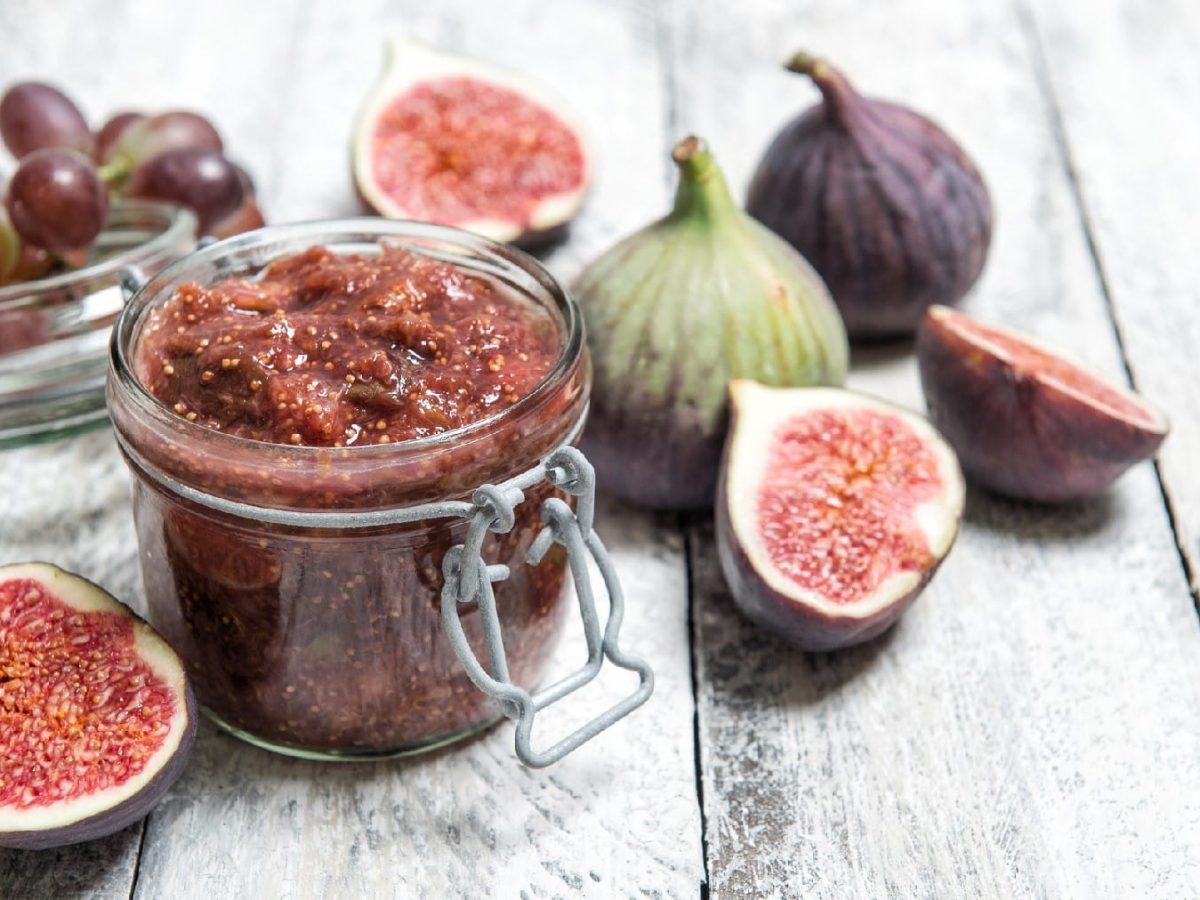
1001	741
1125	82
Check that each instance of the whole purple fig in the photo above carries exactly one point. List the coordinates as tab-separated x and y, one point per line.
881	201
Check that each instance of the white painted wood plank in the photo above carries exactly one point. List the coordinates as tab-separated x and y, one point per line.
1126	81
1029	730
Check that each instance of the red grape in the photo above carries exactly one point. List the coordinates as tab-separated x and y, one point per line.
246	180
56	200
110	133
34	262
175	130
201	179
246	217
35	115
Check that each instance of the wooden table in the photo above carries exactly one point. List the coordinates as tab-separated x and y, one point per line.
1029	730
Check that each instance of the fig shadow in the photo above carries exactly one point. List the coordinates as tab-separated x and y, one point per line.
820	675
878	352
752	664
81	870
1041	522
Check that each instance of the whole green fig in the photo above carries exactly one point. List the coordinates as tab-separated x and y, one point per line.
676	311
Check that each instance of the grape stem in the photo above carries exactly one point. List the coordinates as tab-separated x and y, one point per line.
115	171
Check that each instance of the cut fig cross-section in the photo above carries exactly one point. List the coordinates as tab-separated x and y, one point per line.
1027	422
460	142
833	512
96	715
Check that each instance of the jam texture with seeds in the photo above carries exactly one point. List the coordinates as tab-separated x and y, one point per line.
330	640
335	350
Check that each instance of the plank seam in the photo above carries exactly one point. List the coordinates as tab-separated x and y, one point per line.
137	860
1058	129
693	658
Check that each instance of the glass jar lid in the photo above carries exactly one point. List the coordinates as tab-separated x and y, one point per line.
54	331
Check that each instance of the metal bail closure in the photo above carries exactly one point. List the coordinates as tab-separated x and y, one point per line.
468	579
131	279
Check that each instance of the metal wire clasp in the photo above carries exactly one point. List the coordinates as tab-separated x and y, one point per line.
468	579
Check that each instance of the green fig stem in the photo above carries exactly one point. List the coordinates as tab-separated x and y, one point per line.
841	99
702	189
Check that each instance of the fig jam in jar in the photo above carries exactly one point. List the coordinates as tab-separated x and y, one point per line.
346	368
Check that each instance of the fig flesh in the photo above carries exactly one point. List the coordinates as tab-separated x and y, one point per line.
96	714
461	142
889	210
674	312
834	511
1027	422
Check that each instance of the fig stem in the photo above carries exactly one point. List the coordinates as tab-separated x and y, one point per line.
702	189
840	98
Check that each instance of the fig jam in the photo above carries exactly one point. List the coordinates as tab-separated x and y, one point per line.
330	349
342	381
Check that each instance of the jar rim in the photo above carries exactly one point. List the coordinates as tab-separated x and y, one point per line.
295	237
176	223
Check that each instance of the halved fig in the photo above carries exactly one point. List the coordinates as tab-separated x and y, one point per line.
460	142
96	715
833	512
1026	421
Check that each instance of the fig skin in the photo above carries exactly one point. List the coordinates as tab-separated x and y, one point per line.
801	622
134	808
409	63
635	452
810	629
886	206
1017	433
674	312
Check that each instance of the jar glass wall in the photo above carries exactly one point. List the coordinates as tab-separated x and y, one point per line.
326	639
55	331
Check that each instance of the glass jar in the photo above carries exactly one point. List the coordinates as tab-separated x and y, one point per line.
303	586
54	331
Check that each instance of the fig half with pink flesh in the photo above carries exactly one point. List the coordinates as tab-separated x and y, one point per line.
96	715
457	141
1027	422
833	512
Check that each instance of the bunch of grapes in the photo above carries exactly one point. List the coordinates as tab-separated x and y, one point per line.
57	200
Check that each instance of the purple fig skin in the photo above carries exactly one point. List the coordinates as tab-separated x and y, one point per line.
808	628
809	625
678	460
1016	433
119	817
131	810
883	203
